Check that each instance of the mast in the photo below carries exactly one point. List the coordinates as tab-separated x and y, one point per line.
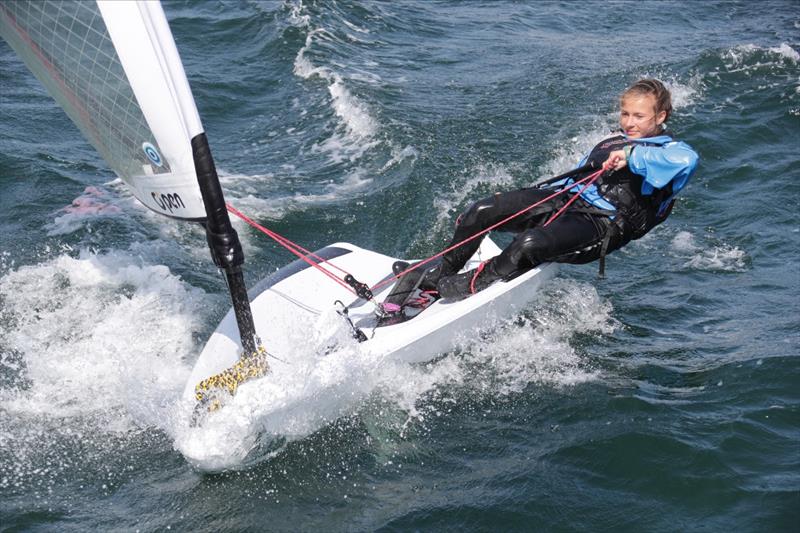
223	241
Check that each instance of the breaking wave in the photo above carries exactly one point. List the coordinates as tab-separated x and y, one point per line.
501	359
711	257
358	128
93	350
480	181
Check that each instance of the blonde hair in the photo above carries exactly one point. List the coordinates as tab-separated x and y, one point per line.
657	89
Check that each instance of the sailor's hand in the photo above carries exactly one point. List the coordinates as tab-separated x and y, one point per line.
616	160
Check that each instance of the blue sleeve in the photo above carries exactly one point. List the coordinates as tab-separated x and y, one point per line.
672	162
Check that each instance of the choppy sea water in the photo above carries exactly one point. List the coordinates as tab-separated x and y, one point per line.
664	397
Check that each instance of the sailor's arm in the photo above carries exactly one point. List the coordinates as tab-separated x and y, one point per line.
673	162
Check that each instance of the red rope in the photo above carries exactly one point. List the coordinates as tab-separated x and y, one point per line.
591	178
571	200
295	248
475	276
304	254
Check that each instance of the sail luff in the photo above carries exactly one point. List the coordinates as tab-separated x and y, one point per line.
146	49
155	18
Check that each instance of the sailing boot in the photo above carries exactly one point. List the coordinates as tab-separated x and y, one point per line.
459	286
424	278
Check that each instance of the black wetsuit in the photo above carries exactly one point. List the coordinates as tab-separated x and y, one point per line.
581	234
620	206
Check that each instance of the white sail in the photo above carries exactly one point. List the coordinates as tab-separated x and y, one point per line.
114	68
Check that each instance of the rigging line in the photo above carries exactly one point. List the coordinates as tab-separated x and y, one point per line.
281	239
296	249
593	177
304	254
590	179
294	301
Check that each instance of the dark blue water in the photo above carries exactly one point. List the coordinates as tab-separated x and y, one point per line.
665	397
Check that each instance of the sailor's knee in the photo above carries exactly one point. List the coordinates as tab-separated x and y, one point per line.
477	213
533	245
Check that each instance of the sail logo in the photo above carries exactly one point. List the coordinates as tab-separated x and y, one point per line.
168	202
152	154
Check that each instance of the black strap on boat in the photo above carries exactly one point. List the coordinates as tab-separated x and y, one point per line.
362	289
603	249
613	229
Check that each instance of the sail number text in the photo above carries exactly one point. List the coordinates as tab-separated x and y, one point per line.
168	202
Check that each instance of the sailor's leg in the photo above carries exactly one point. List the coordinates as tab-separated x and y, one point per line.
571	238
423	278
485	213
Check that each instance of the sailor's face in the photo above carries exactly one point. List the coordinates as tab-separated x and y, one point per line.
638	117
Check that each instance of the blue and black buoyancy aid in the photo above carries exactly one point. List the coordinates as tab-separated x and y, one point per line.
642	192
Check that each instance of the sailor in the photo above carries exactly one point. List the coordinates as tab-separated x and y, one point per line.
645	167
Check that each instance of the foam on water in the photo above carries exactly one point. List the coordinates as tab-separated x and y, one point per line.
92	349
275	206
786	51
568	153
750	58
357	131
313	390
85	328
97	206
354	137
92	339
684	94
711	257
297	15
535	348
505	358
94	203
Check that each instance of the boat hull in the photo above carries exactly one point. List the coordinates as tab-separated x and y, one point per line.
298	294
318	371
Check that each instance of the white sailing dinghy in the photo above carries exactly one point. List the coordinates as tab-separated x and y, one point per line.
299	293
114	68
